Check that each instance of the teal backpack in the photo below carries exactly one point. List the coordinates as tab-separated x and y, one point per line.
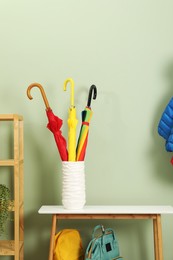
103	246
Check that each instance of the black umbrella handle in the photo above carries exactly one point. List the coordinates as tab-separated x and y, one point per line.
92	89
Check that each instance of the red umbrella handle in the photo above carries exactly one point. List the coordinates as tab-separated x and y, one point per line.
42	93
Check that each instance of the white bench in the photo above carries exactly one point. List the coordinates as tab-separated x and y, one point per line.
111	212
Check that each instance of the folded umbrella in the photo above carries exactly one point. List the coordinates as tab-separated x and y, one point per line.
72	123
83	135
54	125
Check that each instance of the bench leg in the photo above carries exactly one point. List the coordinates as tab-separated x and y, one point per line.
158	249
52	237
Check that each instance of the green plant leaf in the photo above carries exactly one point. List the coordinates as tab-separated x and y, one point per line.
4	207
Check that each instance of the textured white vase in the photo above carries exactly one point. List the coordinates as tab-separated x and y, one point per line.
73	185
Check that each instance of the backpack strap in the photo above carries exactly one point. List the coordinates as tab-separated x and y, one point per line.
110	230
89	249
101	227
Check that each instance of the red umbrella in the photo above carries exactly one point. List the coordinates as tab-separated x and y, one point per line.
54	125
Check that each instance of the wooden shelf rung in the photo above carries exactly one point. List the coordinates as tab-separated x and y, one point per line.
10	117
11	205
7	162
10	162
7	247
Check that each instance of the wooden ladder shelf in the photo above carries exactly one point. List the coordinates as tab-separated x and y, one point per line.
15	247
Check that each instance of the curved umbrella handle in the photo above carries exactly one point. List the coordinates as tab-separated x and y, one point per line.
72	90
42	93
92	89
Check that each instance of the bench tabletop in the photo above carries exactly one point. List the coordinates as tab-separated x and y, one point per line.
109	209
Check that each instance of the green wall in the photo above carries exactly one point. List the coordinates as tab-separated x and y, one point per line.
123	47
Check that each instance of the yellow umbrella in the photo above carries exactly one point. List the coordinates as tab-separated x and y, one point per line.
72	123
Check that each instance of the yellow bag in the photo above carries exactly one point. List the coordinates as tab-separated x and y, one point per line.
68	245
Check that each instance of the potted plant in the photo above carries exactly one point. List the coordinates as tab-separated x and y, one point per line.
5	204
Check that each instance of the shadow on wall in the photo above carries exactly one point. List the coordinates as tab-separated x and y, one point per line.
42	187
135	240
161	156
46	175
40	226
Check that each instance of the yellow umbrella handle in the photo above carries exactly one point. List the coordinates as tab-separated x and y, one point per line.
72	90
42	93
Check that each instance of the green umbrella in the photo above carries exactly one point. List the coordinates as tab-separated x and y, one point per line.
86	117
